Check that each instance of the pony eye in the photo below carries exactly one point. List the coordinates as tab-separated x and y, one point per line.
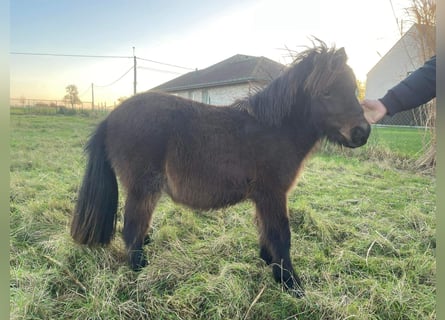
326	93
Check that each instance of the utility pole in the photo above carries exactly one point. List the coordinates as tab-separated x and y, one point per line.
92	96
134	69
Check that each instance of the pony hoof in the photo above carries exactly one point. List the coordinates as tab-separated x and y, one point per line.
289	281
139	266
147	240
138	261
297	292
294	288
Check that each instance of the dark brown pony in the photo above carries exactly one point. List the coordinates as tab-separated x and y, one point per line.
208	157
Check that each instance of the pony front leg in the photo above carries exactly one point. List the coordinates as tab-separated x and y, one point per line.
273	223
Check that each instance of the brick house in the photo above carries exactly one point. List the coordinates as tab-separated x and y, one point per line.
224	82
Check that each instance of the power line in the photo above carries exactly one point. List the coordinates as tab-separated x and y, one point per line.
97	56
134	67
158	70
69	55
399	28
110	84
165	64
85	91
395	18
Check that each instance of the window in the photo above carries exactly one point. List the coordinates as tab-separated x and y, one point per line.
205	96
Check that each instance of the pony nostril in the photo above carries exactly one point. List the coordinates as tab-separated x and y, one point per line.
359	135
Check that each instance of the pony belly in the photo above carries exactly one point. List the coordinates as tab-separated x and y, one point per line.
204	194
207	202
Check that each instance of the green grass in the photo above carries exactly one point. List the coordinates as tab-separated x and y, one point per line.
394	147
404	141
363	240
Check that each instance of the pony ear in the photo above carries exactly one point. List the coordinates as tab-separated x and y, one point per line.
341	53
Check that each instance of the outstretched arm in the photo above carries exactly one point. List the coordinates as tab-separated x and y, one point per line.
418	88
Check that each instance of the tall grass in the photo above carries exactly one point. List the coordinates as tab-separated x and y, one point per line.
363	241
397	147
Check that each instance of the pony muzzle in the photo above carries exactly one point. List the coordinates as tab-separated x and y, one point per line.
359	135
353	137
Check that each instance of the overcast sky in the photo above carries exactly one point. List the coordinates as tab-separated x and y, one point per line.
190	34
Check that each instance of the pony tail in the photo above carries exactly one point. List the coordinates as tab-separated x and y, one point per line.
94	219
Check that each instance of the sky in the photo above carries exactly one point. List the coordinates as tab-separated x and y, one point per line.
175	37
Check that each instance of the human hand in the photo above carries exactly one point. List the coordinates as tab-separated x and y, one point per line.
374	110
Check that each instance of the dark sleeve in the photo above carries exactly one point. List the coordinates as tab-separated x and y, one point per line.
418	88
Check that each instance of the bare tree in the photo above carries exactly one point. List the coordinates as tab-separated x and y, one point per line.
72	95
423	14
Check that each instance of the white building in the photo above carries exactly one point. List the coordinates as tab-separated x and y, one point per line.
225	82
407	54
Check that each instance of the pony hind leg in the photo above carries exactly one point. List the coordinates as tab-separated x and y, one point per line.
273	223
137	219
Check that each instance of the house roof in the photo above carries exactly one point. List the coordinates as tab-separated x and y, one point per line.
237	69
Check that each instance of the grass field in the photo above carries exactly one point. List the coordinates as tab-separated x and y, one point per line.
404	141
363	240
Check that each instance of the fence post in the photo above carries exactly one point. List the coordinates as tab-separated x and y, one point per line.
92	96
